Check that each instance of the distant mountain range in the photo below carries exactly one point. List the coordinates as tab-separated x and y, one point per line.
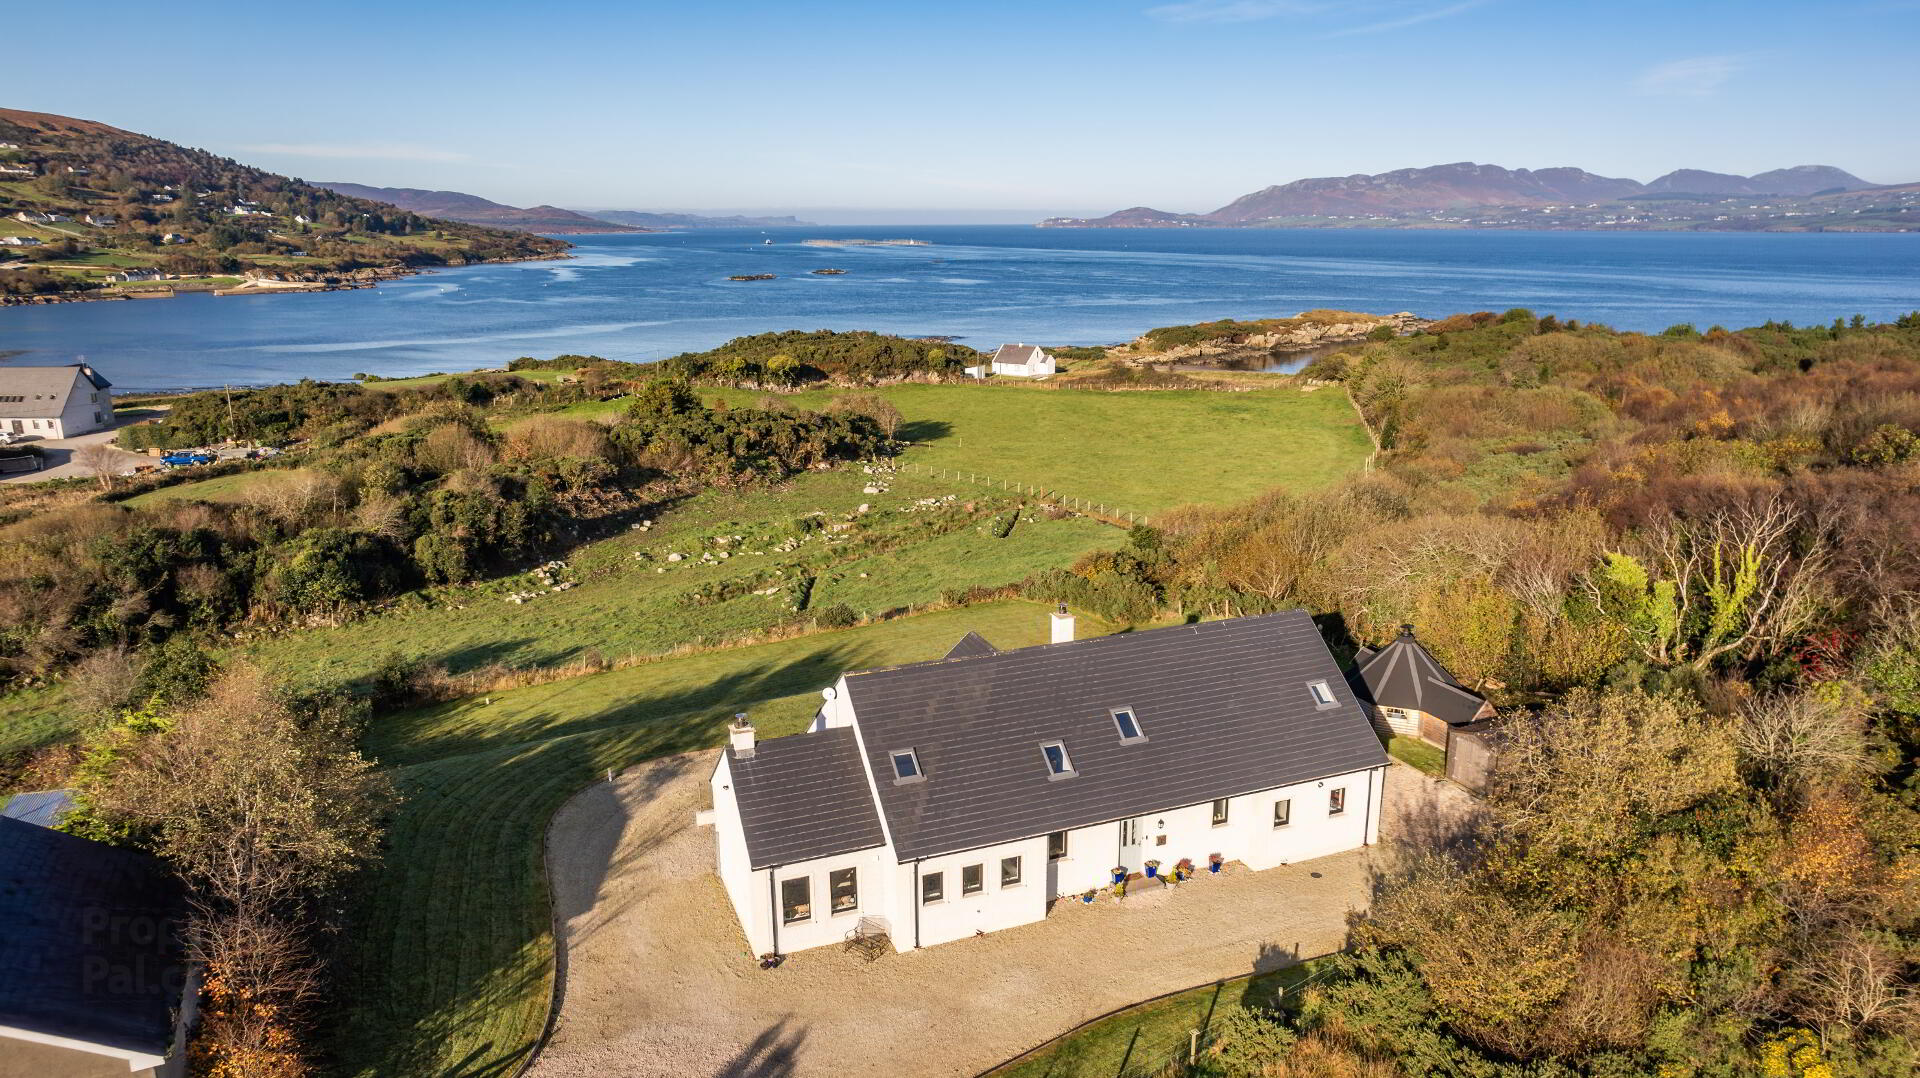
459	206
1462	194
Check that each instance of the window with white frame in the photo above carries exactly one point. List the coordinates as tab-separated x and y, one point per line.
1059	764
796	899
843	890
973	879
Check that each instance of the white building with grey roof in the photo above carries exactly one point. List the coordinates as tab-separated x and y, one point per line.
54	402
939	800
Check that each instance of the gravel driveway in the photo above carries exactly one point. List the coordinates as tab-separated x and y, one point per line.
658	981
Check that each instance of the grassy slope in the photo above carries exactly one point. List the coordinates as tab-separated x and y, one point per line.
449	965
1139	452
1137	1041
622	607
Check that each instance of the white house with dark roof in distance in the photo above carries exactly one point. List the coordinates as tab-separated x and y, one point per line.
54	402
938	800
1412	694
1018	361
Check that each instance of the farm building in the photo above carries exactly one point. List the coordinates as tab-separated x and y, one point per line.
938	800
54	402
96	980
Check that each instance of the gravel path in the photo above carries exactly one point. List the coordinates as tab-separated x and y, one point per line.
658	980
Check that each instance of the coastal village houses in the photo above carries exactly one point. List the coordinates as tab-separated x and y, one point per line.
54	402
934	801
1018	361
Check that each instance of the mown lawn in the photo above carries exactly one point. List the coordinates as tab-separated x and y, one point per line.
449	962
1139	1041
1138	452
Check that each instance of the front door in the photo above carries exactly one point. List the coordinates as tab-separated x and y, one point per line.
1132	849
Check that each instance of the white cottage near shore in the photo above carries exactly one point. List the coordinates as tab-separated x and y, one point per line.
54	402
943	799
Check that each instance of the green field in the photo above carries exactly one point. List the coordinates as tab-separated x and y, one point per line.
1138	1041
1139	452
237	487
449	966
623	606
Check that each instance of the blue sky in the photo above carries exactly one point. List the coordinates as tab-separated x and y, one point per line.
989	110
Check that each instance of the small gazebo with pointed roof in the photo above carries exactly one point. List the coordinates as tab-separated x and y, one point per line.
1412	694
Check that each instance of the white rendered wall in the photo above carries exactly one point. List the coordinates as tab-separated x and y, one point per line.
958	915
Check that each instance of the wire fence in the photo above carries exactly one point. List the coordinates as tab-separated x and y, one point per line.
1085	506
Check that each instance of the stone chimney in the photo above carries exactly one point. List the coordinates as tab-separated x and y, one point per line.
740	737
1062	626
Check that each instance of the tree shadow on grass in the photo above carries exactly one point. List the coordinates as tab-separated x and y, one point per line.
924	430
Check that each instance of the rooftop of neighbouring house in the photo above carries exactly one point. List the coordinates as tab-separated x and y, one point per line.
1405	675
89	937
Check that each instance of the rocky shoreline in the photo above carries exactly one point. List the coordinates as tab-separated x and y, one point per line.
1293	339
273	283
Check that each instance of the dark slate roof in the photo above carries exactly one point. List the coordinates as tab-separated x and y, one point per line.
46	389
803	797
88	940
1405	674
1224	705
972	646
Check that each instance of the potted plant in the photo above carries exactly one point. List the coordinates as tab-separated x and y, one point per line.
1214	861
1120	874
1153	870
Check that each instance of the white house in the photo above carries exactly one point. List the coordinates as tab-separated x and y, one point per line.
943	799
54	402
1020	361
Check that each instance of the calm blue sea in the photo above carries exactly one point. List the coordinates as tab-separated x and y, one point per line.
643	297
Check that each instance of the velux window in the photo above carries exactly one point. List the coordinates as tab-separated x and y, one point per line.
1059	766
1128	724
906	766
1322	694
